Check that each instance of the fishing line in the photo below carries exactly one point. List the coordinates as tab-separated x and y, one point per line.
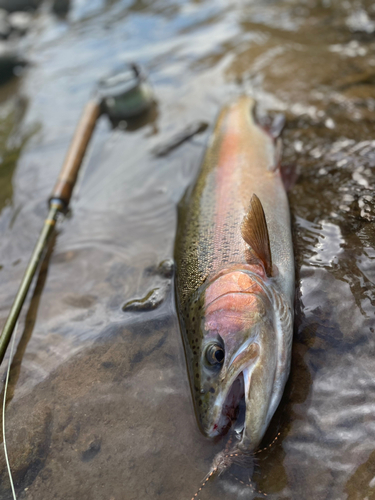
215	469
233	459
269	445
204	483
4	401
249	485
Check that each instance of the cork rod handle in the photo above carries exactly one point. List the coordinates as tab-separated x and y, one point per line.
69	171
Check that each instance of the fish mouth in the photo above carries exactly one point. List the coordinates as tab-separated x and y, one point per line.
232	404
233	410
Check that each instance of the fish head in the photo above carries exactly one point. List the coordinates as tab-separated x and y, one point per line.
234	360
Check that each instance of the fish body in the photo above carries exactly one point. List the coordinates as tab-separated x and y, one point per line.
235	279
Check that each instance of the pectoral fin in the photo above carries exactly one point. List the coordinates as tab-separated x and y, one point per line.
255	232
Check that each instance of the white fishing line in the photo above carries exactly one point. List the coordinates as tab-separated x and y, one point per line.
4	401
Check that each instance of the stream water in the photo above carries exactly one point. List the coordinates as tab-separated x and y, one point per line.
99	406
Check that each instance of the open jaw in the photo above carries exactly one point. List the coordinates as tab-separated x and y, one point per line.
232	402
233	409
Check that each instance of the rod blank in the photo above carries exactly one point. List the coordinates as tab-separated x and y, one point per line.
59	201
10	323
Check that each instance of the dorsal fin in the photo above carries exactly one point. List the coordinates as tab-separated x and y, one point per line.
255	232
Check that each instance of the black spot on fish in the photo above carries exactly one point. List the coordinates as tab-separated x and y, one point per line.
212	390
197	375
200	402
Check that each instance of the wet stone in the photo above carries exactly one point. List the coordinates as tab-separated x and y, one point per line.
71	432
90	447
360	21
16	5
165	269
10	62
20	22
5	27
152	300
61	7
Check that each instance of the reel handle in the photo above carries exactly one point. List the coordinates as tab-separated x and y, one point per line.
68	175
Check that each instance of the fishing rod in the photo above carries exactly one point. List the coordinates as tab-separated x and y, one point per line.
123	95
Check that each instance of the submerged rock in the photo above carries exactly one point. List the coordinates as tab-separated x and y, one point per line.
15	5
152	300
90	447
10	62
164	269
20	22
5	28
163	274
360	22
61	7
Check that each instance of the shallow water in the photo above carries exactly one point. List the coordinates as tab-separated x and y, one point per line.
99	404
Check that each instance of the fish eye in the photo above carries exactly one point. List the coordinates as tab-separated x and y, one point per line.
215	354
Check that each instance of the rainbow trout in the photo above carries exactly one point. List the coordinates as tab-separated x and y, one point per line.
235	279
